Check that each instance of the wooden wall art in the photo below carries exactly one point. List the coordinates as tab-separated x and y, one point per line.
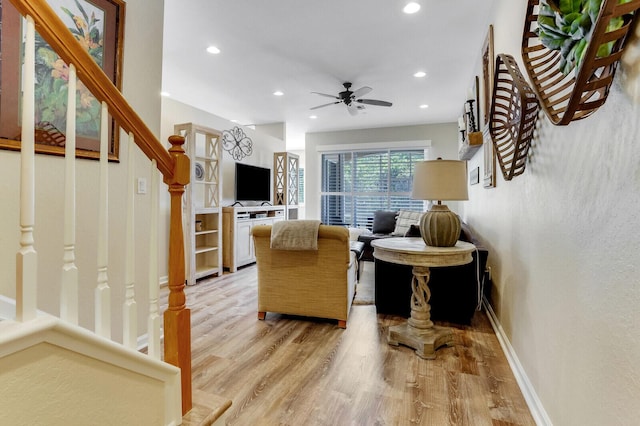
577	92
513	116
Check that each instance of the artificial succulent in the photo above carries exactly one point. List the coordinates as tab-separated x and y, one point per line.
567	26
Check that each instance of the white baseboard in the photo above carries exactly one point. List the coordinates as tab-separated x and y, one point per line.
533	402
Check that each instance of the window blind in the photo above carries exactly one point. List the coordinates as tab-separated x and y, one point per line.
357	183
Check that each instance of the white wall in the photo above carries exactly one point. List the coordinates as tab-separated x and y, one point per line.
174	112
563	246
441	139
141	86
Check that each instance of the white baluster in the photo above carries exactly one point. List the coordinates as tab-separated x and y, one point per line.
69	284
129	309
155	320
103	292
27	258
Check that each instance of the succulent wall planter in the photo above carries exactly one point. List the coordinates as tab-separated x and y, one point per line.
580	92
513	116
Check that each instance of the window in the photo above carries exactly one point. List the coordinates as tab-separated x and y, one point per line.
356	184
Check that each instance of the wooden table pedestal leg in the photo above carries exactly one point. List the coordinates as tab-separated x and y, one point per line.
419	332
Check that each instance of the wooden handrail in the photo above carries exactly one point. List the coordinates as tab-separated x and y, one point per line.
53	30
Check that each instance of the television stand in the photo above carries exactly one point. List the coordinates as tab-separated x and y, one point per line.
237	222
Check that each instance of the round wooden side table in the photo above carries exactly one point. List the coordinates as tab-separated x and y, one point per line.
419	332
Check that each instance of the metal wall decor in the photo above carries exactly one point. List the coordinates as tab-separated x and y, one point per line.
236	143
577	93
513	116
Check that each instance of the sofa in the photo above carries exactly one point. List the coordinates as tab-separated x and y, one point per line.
455	290
312	283
387	224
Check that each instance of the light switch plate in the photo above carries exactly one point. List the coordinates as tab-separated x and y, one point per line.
142	185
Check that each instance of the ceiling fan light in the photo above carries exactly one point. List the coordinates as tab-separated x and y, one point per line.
410	8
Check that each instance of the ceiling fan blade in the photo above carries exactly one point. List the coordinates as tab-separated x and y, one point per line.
324	105
361	91
353	109
374	102
324	94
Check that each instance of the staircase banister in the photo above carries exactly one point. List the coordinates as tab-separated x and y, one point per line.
52	29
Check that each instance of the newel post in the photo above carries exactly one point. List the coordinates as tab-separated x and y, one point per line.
177	318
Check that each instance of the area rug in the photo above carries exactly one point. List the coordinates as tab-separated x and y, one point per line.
365	289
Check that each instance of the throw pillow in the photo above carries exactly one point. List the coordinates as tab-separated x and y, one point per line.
384	221
405	219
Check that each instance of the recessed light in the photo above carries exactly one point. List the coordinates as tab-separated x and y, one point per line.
233	121
411	8
213	50
165	94
313	117
424	106
278	93
420	74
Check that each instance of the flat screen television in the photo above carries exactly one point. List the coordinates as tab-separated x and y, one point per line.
253	183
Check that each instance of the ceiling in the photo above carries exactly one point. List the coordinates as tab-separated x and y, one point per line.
302	46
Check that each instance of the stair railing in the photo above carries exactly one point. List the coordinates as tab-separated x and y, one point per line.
172	164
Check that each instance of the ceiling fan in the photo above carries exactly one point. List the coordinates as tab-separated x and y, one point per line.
352	99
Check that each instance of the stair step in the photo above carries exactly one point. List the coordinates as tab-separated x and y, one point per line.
207	408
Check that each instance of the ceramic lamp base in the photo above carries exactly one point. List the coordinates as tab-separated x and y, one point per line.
440	227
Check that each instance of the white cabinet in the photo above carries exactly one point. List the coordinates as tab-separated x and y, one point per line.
243	243
237	242
202	213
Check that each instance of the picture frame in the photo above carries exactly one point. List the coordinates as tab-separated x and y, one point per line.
474	176
488	71
489	179
488	65
99	26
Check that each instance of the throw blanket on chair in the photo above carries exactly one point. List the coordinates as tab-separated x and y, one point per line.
295	235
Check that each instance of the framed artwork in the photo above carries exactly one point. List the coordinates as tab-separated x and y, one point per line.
488	64
489	180
99	27
488	70
474	176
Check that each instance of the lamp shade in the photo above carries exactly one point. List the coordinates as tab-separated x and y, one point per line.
440	180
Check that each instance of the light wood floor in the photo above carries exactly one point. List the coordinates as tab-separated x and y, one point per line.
293	371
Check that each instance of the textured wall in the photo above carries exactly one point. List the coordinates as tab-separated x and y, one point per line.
564	241
66	388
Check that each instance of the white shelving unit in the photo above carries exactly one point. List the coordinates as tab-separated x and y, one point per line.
285	182
202	212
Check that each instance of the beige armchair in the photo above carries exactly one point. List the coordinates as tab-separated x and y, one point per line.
308	283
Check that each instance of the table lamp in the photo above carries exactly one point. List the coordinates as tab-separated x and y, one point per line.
439	180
